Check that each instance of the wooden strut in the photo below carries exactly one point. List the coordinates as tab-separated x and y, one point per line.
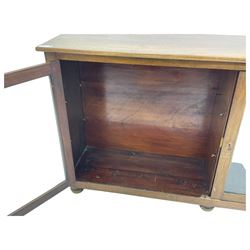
40	199
53	70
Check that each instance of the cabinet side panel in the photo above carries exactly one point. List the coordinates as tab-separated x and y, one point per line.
73	97
230	136
222	103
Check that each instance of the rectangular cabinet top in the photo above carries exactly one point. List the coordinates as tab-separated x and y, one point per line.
212	48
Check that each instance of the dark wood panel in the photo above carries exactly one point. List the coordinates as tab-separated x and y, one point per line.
135	137
150	109
224	93
144	171
73	97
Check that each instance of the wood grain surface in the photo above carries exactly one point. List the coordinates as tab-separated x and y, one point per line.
151	62
221	107
217	48
230	137
202	200
144	171
148	109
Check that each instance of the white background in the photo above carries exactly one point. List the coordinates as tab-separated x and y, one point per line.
30	160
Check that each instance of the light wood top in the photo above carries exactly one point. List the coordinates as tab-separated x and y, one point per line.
213	48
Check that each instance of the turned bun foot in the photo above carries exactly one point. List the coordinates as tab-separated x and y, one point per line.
207	209
76	190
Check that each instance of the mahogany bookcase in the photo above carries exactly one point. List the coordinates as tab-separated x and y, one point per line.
148	115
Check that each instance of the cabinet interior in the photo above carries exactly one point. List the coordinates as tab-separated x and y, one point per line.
147	127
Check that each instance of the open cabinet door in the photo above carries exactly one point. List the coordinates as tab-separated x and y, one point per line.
52	70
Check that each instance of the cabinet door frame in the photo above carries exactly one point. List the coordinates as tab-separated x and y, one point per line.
53	70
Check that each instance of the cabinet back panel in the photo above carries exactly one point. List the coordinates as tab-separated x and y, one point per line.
148	109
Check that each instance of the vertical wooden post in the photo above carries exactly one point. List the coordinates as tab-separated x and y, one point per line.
62	120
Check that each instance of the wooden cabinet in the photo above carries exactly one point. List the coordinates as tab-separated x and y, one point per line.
149	115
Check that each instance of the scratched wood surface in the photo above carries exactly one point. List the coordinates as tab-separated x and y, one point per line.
148	109
143	171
